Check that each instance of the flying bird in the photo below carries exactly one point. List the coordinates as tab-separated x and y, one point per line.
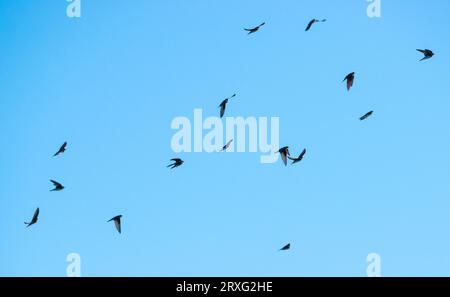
61	150
226	146
34	219
426	53
286	247
284	152
223	105
366	115
299	158
312	22
253	30
58	186
349	78
176	162
117	223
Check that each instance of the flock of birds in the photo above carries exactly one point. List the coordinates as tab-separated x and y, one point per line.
284	151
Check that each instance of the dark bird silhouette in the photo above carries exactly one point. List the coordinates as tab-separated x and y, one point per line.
284	152
117	223
223	105
299	158
286	247
349	78
226	146
312	22
366	115
58	186
61	150
176	162
253	30
34	219
426	53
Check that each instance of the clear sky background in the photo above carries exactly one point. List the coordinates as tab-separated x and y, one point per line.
111	82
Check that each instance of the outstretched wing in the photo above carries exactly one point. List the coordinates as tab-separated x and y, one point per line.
350	82
302	154
55	183
309	25
36	214
284	157
117	223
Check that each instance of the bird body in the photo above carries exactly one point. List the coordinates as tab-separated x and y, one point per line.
226	146
312	22
34	219
176	162
223	105
284	152
299	158
61	150
58	186
366	115
255	29
350	79
426	53
117	223
286	247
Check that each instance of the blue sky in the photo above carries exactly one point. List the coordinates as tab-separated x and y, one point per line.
110	83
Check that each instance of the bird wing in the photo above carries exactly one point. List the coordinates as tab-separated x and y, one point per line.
61	149
175	159
350	82
302	154
117	224
284	157
366	115
222	110
422	51
309	25
55	183
36	214
286	247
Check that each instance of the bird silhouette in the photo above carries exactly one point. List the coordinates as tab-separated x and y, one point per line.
61	150
58	186
284	152
117	223
426	53
34	219
176	162
299	158
349	78
255	29
312	22
366	115
226	146
223	105
286	247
